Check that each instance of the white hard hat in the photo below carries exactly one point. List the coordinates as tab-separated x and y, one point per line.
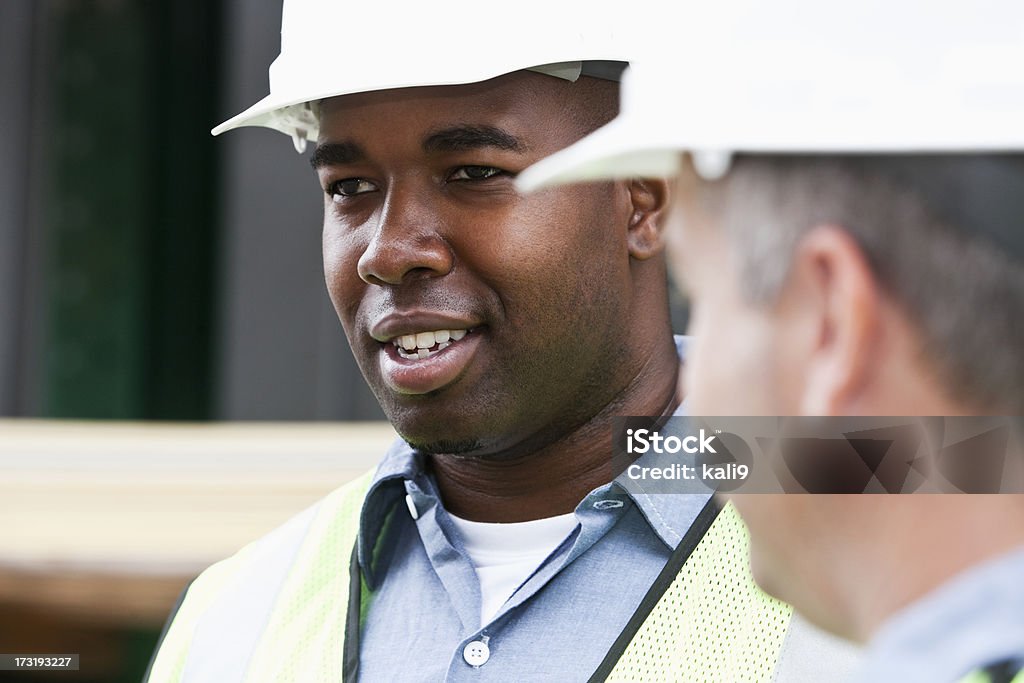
331	48
811	77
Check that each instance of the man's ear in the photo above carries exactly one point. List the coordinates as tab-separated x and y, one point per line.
649	199
832	276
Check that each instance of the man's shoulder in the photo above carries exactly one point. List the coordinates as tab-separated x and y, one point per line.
345	502
341	506
237	596
287	554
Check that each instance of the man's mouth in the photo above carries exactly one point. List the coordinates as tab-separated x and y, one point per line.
416	357
423	345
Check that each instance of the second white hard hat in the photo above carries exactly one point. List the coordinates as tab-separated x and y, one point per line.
802	77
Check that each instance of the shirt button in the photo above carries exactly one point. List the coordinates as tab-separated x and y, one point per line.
476	653
412	506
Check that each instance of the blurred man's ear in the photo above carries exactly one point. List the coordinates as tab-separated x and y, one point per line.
649	198
842	304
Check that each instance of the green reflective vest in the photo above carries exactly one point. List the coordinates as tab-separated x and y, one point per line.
276	611
985	676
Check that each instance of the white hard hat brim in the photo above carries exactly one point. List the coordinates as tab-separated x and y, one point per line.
631	147
617	150
259	114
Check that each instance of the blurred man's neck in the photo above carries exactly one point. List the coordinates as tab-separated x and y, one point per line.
930	540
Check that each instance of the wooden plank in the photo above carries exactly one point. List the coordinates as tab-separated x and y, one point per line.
94	598
90	511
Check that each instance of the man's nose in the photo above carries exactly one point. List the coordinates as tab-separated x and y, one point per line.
407	242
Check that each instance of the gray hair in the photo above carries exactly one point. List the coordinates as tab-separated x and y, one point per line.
944	235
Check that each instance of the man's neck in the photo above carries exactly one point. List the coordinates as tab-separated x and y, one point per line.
553	478
943	536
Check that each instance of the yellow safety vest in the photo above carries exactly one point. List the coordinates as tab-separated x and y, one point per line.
983	676
711	623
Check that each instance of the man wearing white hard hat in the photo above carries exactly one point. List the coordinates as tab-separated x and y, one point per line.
500	334
849	223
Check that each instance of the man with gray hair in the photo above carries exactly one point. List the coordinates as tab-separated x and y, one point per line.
848	224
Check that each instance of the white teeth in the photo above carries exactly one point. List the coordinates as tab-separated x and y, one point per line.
418	346
425	340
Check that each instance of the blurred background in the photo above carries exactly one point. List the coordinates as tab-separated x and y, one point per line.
147	269
173	379
150	272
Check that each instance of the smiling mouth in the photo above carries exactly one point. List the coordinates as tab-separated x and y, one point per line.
423	345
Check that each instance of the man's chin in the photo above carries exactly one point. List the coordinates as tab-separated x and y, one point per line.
445	446
764	577
436	429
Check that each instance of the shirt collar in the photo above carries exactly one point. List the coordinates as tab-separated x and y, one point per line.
669	514
967	623
401	463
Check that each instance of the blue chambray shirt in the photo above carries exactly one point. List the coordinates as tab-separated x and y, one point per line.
558	626
973	620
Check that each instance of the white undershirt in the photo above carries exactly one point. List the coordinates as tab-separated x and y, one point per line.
505	555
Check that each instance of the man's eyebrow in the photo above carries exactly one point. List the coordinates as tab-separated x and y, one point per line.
462	138
335	153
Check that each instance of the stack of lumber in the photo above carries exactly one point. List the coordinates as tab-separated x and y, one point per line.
107	521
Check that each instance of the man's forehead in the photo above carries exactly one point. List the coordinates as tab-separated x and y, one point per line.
496	94
524	113
695	220
691	197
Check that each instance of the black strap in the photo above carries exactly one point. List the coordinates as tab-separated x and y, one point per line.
668	574
350	668
1004	671
167	627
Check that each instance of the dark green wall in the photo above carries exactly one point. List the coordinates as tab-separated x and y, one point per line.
128	207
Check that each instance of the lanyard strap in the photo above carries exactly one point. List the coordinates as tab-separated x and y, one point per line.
668	574
350	668
1006	671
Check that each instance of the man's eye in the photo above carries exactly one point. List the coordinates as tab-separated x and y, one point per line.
475	173
351	187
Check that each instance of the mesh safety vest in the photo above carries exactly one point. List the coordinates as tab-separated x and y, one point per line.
996	674
707	621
